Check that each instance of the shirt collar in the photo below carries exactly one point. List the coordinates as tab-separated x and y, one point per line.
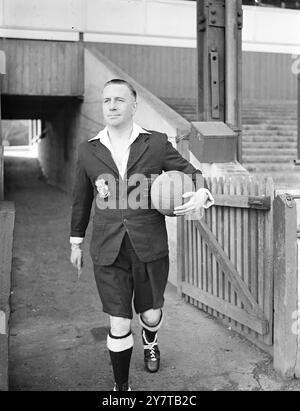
136	131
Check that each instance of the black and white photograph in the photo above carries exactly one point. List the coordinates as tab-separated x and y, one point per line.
149	198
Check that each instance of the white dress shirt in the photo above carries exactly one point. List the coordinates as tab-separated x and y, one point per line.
105	140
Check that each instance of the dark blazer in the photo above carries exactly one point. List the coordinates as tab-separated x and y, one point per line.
150	154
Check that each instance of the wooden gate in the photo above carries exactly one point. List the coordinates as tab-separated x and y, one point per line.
226	263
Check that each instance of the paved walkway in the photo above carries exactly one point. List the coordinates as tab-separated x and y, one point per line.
58	330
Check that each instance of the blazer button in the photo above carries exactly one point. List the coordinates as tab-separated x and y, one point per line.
125	220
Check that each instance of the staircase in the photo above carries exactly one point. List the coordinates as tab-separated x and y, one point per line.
269	145
270	141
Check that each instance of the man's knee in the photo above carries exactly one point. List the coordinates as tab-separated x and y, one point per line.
152	317
119	326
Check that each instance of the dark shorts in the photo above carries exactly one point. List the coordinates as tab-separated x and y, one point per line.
129	278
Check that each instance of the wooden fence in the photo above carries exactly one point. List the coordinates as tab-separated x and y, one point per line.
240	263
226	265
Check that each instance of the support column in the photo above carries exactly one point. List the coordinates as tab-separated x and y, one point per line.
219	45
211	60
298	111
2	72
233	69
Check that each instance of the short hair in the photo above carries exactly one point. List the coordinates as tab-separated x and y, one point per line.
125	83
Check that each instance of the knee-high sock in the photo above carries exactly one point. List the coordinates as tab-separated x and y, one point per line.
120	350
151	330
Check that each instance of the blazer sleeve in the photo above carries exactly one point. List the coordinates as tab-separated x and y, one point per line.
173	160
83	195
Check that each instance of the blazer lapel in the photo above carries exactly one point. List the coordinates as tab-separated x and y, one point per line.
137	149
104	155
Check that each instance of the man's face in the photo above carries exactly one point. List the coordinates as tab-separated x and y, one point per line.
119	105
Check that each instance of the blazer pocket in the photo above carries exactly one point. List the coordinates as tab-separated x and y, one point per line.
98	236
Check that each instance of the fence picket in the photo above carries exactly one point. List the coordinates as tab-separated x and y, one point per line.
209	257
220	231
268	256
186	254
239	243
261	188
204	265
214	231
232	237
194	257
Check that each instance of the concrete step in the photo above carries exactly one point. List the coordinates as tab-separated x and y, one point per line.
269	112
258	152
270	108
289	175
271	145
275	116
271	126
266	120
288	178
269	139
282	180
268	158
245	120
270	131
269	167
283	126
269	135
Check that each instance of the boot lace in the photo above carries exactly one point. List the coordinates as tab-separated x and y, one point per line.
150	346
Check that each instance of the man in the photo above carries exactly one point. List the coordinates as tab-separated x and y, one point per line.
129	245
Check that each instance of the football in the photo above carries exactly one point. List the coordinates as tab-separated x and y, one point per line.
167	190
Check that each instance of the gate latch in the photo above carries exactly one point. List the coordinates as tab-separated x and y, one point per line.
259	202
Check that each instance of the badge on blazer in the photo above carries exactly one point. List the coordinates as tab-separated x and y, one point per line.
102	188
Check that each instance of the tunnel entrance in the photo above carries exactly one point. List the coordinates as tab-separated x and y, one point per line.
41	127
20	137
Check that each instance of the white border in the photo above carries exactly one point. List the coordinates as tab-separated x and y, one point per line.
39	34
140	40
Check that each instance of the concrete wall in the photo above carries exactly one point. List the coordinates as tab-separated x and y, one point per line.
7	217
57	151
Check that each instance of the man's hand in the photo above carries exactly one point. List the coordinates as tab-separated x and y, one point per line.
77	257
197	201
